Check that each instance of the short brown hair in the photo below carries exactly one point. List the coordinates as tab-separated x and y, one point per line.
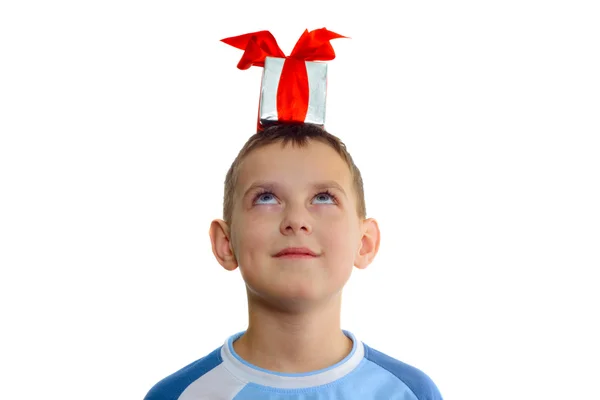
298	134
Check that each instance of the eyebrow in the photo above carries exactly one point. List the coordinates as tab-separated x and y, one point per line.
273	186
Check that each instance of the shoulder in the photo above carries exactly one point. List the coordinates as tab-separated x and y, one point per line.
171	387
417	381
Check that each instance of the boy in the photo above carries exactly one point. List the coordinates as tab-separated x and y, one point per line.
294	221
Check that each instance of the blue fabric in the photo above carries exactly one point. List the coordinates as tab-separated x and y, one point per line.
365	374
418	382
173	385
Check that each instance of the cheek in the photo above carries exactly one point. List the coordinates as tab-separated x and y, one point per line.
252	239
339	236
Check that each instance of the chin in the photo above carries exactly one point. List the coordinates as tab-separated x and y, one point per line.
290	295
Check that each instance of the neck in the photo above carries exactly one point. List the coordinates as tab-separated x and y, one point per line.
293	342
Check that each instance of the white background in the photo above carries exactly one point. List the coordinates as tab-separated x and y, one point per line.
475	125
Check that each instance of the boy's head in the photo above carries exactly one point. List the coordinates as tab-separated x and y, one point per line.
294	186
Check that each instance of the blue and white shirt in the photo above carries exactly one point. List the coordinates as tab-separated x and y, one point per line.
365	374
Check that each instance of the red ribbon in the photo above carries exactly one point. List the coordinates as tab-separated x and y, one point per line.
292	92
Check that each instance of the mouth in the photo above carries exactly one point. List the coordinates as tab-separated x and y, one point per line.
296	252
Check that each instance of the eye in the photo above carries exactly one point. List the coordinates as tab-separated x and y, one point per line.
325	198
265	198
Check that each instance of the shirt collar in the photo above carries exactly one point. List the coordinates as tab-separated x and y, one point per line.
251	373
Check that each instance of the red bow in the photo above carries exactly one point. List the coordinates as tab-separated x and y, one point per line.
292	92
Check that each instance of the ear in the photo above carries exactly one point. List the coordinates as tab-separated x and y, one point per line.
221	244
369	243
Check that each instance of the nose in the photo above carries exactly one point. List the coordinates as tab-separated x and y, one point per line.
295	220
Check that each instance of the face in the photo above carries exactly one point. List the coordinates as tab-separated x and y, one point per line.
295	197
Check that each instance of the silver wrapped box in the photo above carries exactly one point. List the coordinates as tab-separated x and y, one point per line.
317	92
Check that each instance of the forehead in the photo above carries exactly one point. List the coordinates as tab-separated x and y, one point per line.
295	165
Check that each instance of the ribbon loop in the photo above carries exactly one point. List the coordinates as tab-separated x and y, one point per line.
256	46
315	46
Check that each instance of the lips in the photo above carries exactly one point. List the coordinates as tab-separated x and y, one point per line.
296	252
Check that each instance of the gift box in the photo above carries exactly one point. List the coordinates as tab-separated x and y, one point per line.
294	87
297	97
